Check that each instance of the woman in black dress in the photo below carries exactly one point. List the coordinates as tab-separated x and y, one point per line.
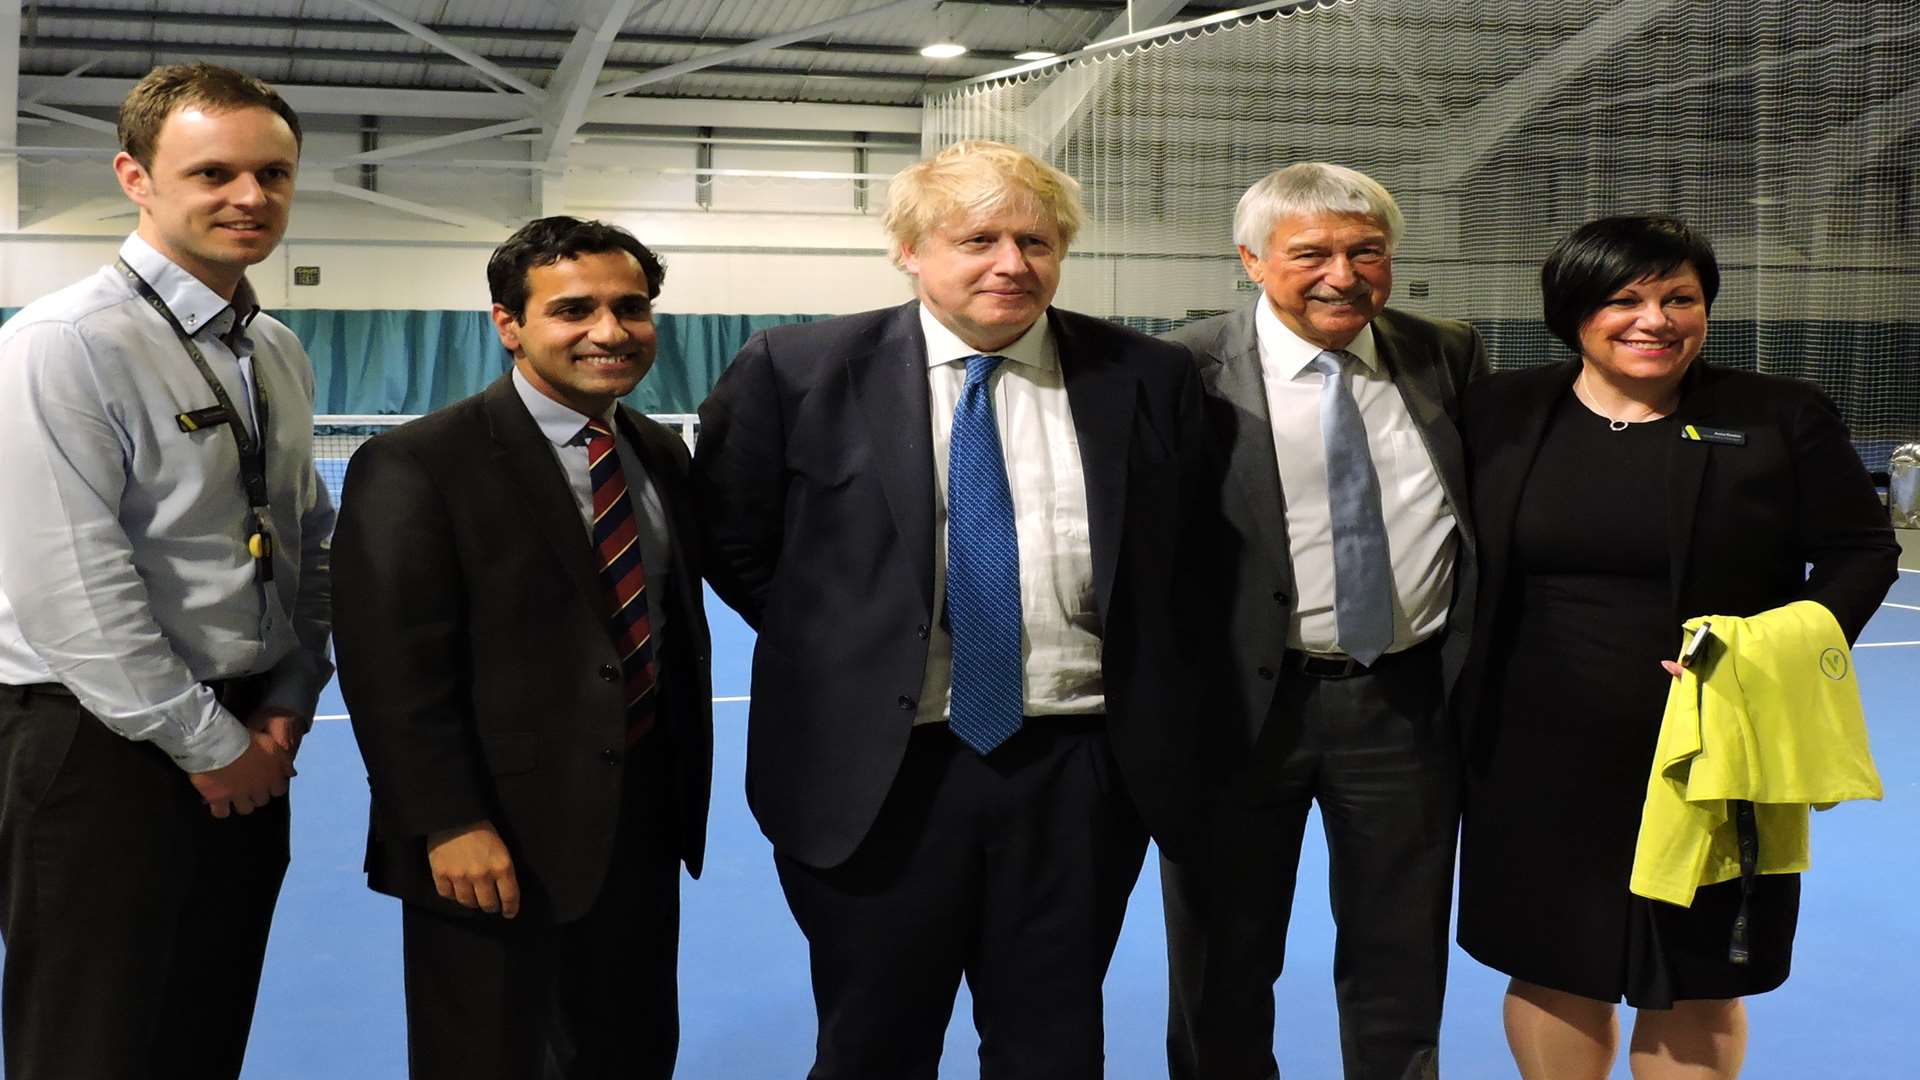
1602	528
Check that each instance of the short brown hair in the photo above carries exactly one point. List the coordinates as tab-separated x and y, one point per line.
167	88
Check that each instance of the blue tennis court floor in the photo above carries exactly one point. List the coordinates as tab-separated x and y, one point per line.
331	1006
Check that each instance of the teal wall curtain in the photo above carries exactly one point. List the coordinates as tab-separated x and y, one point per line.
694	350
409	362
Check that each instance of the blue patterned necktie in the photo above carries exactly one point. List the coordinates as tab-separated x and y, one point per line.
1362	569
983	572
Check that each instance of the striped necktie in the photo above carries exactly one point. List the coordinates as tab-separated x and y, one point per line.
616	543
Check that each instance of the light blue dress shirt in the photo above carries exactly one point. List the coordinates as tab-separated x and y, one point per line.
563	427
124	572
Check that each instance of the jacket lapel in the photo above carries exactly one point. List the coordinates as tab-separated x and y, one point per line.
1686	472
1503	471
673	503
1423	395
521	452
1231	373
1102	396
889	382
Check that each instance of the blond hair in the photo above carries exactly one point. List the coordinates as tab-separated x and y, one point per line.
970	180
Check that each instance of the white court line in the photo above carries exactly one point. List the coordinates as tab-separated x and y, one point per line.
1884	644
1902	607
716	701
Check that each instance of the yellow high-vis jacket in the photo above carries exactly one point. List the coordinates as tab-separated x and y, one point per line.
1770	713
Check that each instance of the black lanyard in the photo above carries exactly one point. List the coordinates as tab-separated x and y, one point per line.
253	450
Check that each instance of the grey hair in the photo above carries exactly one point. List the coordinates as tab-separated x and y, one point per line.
1312	187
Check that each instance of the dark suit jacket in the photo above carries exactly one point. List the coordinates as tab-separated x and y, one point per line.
1743	521
814	474
1430	361
471	627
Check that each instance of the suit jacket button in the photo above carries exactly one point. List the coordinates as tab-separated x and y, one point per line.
907	702
1266	672
1279	597
610	756
922	631
609	672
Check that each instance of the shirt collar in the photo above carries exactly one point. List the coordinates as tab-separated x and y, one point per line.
1289	354
559	423
196	306
1035	348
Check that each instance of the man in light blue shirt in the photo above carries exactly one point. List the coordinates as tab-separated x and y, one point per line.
163	605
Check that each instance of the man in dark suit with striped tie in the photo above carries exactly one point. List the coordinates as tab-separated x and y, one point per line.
525	656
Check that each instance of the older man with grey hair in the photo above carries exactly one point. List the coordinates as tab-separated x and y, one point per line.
1343	503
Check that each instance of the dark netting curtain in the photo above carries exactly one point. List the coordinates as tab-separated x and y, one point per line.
1789	132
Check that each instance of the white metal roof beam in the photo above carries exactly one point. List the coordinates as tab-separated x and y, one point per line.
468	56
573	82
105	93
65	117
672	71
572	86
440	142
406	206
1059	103
1486	125
9	116
74	74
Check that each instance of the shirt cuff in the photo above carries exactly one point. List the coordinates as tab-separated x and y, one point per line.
294	684
216	743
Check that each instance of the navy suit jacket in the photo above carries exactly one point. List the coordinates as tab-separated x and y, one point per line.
814	476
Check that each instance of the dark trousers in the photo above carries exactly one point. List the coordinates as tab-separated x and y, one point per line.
1371	750
1012	870
531	999
135	922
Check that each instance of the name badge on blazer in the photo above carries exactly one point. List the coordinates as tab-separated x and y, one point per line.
1723	436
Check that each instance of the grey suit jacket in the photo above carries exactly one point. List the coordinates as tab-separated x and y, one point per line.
1430	361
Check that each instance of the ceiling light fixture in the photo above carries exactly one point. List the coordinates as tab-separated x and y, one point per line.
1035	54
944	50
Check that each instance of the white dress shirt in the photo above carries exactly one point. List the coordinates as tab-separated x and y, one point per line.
124	572
563	427
1421	538
1060	639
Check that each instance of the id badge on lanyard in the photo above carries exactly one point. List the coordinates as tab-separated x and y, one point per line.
253	449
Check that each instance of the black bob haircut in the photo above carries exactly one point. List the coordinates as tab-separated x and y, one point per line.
1601	256
545	241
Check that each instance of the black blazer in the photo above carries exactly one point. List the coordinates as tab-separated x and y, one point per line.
1430	361
814	476
1743	521
471	627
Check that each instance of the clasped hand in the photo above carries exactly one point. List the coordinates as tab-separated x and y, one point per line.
261	771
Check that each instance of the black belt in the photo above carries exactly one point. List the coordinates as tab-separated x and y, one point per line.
228	692
1334	665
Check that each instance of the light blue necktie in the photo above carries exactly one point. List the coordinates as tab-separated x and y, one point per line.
983	572
1362	569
